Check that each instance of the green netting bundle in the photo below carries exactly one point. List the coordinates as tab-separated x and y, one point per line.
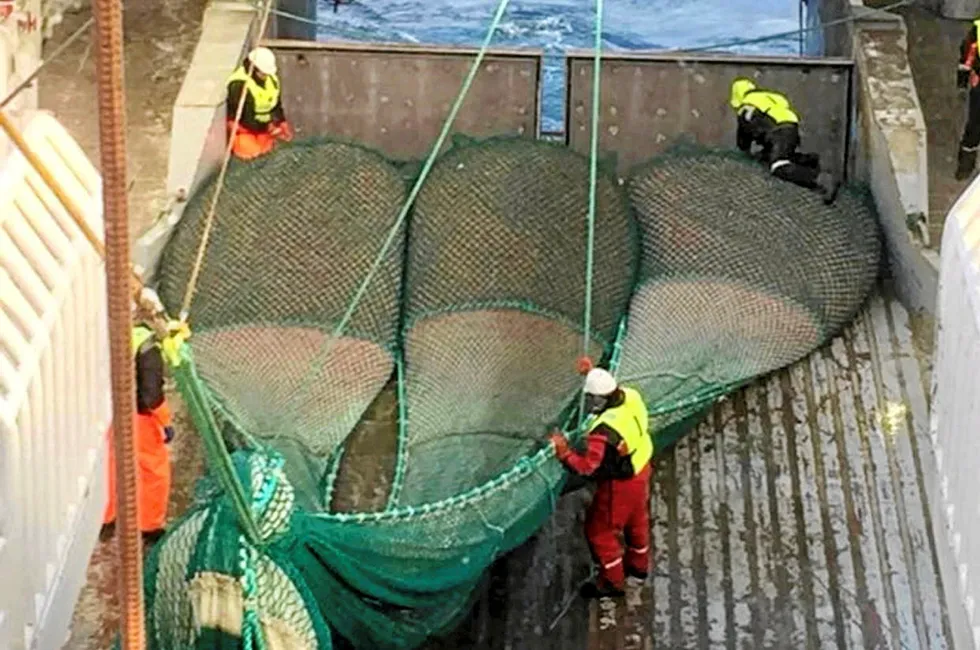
717	271
492	323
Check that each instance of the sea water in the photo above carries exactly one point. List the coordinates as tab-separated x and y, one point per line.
556	25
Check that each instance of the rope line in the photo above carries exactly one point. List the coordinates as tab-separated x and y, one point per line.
593	176
795	32
701	48
209	222
54	55
416	188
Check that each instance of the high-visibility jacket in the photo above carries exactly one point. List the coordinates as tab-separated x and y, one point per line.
771	103
264	97
142	335
630	425
149	370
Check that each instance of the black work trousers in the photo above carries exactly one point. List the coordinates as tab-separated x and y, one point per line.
786	162
971	132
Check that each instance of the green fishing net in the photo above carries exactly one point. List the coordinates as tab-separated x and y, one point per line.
706	273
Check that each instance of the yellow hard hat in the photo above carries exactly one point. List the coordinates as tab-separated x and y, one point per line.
740	87
263	59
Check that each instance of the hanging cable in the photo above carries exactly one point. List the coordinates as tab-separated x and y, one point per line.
209	221
54	55
593	176
781	35
416	188
701	48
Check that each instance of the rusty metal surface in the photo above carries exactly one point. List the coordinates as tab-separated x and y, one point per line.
396	98
649	100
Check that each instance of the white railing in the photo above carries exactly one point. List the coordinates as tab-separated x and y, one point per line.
955	419
55	403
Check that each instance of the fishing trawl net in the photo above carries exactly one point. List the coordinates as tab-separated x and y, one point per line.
715	271
292	239
742	274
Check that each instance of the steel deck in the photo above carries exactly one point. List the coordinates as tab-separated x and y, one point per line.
794	517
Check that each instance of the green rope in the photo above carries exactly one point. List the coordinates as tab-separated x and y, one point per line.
190	386
593	174
433	154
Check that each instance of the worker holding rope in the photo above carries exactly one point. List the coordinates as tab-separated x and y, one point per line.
262	119
152	424
618	455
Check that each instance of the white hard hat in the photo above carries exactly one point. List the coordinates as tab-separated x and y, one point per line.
600	382
263	59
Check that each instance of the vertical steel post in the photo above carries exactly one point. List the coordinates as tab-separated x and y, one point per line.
112	145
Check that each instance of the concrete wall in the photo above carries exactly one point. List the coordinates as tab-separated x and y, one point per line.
397	98
649	100
891	151
198	138
966	9
20	52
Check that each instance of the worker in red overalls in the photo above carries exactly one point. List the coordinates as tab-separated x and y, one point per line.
152	427
618	454
262	120
968	76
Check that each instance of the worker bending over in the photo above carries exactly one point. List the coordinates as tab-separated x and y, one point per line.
152	426
618	454
968	76
262	119
766	118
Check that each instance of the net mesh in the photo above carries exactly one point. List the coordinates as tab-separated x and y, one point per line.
287	251
478	311
738	278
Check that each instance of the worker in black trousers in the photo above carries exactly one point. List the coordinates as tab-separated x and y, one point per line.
767	118
968	76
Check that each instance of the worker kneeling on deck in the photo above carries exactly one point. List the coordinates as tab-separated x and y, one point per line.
262	120
766	118
152	426
618	455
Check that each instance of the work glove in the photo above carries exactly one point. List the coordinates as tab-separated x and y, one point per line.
283	130
168	434
560	443
149	301
583	365
177	333
962	76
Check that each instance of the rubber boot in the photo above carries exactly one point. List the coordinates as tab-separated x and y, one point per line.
966	161
810	160
601	589
828	187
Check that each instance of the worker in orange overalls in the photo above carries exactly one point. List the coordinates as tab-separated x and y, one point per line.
968	76
618	454
152	428
262	120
